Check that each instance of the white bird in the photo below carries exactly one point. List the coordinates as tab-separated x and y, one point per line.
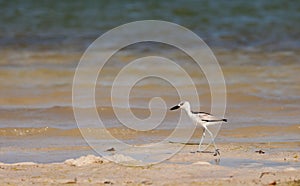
202	119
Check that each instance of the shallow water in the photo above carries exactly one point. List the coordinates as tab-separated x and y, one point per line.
249	163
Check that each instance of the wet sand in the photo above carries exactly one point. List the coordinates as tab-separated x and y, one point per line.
32	144
240	163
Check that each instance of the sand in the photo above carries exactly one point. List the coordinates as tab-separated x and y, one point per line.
239	163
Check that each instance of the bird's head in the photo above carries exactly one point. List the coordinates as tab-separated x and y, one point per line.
184	104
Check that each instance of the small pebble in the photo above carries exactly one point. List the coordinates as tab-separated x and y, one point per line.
146	182
108	182
111	150
260	151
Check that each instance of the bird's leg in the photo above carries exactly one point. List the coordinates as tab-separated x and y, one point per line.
200	143
217	152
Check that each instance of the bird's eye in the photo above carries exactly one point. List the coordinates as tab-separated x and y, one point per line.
181	104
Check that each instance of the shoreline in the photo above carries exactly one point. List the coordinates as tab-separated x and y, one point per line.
59	145
239	163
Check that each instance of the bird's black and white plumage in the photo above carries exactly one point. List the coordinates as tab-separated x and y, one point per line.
207	117
202	119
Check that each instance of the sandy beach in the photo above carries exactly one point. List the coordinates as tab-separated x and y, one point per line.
240	163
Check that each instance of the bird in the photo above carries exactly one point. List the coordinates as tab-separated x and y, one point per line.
202	119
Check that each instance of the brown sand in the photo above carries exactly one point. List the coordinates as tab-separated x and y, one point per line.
184	168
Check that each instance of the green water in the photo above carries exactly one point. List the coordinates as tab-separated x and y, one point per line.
272	25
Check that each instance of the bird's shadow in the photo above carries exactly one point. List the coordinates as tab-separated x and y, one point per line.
203	151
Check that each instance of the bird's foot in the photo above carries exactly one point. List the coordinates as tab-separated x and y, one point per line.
217	161
217	152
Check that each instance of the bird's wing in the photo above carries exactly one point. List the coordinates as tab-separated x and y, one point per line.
204	116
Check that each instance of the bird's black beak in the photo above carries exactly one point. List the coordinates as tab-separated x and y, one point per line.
175	107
